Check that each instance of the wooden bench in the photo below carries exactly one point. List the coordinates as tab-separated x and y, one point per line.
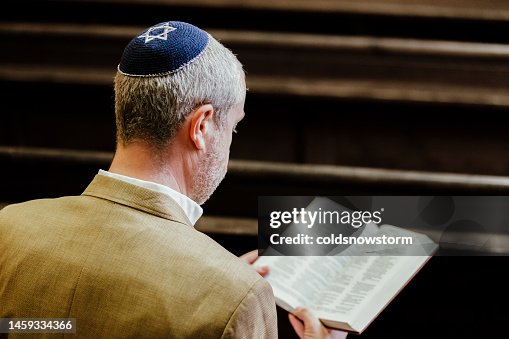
245	178
340	67
232	210
344	100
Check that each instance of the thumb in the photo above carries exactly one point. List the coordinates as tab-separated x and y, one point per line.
311	324
297	325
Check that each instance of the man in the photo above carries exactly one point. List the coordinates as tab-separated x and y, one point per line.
123	258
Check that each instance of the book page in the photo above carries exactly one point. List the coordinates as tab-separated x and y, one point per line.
351	290
405	267
367	283
341	290
353	285
422	244
298	281
369	230
371	286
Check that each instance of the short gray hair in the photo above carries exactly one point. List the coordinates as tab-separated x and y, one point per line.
154	108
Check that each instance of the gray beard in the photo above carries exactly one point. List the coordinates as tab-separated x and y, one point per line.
209	174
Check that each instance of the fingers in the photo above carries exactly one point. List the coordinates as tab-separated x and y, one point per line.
263	271
250	257
307	326
338	334
297	325
311	323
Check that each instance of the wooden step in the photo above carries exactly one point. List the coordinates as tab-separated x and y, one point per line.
465	9
342	67
395	103
60	172
76	168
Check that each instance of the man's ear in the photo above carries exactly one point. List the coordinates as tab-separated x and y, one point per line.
201	123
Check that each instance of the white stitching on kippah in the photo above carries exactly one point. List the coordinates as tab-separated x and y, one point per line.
169	72
162	36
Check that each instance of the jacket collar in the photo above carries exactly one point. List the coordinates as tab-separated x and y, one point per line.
137	197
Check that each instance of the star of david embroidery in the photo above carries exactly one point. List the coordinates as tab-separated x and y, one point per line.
166	28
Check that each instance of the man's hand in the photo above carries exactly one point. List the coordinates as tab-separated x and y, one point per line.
308	326
250	257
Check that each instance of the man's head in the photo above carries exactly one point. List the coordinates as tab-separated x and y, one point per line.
177	88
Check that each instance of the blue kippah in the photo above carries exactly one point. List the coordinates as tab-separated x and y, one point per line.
163	49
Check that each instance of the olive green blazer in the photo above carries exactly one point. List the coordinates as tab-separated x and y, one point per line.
126	262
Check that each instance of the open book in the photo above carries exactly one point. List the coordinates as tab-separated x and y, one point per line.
346	291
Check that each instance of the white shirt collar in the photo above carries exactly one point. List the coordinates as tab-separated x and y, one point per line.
191	208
